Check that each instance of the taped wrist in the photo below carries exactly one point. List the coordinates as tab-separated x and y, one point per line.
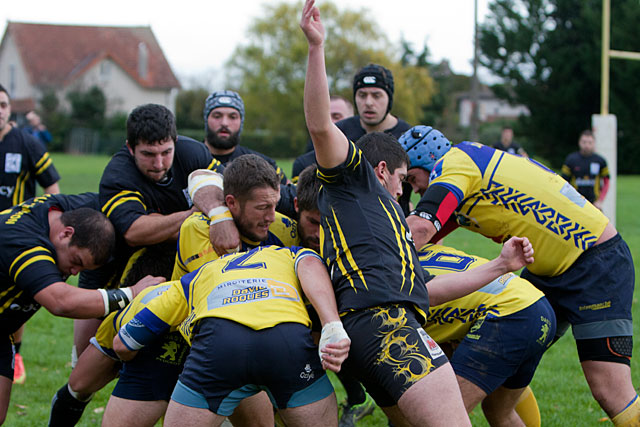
219	214
331	332
115	299
205	178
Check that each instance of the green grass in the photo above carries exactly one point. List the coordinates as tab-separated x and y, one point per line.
561	390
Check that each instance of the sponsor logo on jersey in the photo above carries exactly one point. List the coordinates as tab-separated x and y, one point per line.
7	190
12	162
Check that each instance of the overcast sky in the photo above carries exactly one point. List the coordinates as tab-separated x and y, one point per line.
199	36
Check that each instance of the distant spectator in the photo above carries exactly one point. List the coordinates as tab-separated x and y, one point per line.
223	123
340	108
506	143
587	171
37	128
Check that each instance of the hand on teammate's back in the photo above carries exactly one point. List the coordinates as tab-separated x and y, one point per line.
145	282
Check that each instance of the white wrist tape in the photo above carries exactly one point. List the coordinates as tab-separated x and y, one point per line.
219	214
331	332
105	299
217	211
205	178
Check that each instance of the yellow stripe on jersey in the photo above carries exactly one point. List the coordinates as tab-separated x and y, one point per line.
215	163
403	245
18	192
30	261
10	300
45	162
342	250
356	158
120	199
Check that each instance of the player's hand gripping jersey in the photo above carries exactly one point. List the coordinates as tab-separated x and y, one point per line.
258	289
452	320
194	246
365	240
500	195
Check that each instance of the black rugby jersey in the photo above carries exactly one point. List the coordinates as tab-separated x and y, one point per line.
23	160
28	261
365	240
585	174
126	193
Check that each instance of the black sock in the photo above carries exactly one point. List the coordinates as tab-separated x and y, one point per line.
17	346
66	410
355	392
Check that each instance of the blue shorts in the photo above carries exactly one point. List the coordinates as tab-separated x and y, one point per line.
505	351
153	373
389	351
594	295
229	361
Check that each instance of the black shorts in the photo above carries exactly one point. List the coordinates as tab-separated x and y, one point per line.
594	295
230	361
389	351
6	357
153	373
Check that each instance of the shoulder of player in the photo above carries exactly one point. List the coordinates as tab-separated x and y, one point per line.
400	128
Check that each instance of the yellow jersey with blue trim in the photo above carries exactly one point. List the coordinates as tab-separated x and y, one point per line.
126	193
110	326
28	261
365	240
258	289
501	195
194	246
452	320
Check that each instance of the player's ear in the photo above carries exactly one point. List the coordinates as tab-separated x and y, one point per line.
295	205
66	233
129	147
380	169
231	201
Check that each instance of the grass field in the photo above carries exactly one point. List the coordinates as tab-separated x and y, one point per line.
561	390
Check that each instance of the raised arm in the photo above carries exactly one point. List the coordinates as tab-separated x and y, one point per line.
516	253
330	144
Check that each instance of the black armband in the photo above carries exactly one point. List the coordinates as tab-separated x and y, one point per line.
115	299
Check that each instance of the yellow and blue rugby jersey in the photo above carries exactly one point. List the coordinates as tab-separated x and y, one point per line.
365	240
28	261
258	289
194	246
110	326
126	194
452	320
501	195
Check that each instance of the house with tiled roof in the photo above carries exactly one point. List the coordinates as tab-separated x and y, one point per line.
127	63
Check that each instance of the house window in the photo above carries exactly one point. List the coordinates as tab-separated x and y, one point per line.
105	70
143	60
12	80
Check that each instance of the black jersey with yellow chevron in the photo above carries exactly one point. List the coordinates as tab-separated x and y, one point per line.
126	194
23	161
28	258
365	240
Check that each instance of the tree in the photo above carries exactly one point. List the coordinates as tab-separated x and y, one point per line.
548	54
269	70
88	108
189	106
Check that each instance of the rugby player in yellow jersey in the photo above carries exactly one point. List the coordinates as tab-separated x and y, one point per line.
245	318
583	265
501	330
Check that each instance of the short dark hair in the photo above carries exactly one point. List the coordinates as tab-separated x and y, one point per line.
247	172
93	231
150	123
2	89
380	146
307	189
586	132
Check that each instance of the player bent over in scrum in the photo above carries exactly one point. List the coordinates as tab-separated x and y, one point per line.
503	330
249	329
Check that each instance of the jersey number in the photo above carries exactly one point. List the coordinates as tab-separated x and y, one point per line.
445	261
242	263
